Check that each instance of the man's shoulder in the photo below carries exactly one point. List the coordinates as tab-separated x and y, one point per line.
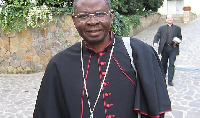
163	26
176	26
138	42
72	50
140	47
134	42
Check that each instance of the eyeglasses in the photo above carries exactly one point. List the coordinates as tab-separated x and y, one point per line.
100	16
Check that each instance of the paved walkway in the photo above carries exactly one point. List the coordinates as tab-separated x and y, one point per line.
185	95
18	92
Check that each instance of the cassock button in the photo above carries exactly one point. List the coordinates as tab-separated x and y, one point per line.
106	84
107	94
111	116
103	73
109	105
102	63
101	53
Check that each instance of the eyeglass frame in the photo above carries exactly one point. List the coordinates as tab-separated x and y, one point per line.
91	14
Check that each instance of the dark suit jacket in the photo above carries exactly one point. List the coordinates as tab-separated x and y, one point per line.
161	37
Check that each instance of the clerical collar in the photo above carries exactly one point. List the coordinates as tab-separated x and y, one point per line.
169	25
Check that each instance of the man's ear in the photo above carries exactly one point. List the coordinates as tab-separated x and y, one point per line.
111	16
73	18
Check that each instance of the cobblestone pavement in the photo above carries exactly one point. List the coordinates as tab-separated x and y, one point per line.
18	92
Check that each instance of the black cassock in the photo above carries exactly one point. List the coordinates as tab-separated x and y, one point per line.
62	93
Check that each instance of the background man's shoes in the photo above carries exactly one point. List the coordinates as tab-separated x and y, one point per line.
170	83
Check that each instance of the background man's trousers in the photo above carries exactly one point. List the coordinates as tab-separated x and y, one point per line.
168	53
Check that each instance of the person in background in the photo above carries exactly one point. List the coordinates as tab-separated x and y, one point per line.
169	37
94	78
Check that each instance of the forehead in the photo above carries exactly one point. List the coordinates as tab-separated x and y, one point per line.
91	6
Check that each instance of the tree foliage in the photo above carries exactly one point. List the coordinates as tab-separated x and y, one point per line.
16	14
127	6
152	4
128	11
55	3
135	6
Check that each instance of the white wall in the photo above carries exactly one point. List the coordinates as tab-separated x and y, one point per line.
176	7
195	8
163	9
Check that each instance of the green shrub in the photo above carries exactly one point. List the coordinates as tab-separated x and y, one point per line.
17	14
13	15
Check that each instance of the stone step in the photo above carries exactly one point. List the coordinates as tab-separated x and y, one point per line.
177	18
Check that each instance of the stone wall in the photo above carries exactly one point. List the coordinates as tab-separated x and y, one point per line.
145	22
186	17
31	49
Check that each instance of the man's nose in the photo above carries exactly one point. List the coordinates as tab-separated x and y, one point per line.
92	19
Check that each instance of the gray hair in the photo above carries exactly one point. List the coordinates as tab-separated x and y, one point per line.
169	15
75	4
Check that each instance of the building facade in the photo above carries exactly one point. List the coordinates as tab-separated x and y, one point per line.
176	6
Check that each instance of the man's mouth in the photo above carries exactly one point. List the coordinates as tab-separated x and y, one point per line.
93	32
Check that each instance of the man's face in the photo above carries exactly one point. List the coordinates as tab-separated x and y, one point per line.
95	28
169	19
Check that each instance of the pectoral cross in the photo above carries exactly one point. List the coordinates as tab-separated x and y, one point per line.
91	115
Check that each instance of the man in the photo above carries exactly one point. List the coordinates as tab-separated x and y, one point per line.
95	79
168	46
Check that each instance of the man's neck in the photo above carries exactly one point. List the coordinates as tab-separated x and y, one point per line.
100	46
169	25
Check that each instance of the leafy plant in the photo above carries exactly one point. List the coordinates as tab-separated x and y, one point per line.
58	6
152	4
13	15
128	11
39	16
17	14
134	20
128	7
118	25
121	23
